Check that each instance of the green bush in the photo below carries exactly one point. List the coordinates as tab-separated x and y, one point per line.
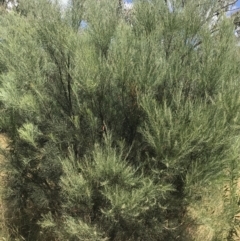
117	128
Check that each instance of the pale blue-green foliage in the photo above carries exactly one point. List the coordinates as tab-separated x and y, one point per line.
29	133
76	187
102	20
123	194
189	126
20	56
77	229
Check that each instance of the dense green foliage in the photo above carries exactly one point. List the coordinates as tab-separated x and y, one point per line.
116	128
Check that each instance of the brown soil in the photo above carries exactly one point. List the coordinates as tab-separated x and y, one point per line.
3	141
3	146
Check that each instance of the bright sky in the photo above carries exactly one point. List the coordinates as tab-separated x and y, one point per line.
64	2
238	4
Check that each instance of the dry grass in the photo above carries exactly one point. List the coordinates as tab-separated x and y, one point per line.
211	217
3	230
205	214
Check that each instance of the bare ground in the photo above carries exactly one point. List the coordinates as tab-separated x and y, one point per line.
3	146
